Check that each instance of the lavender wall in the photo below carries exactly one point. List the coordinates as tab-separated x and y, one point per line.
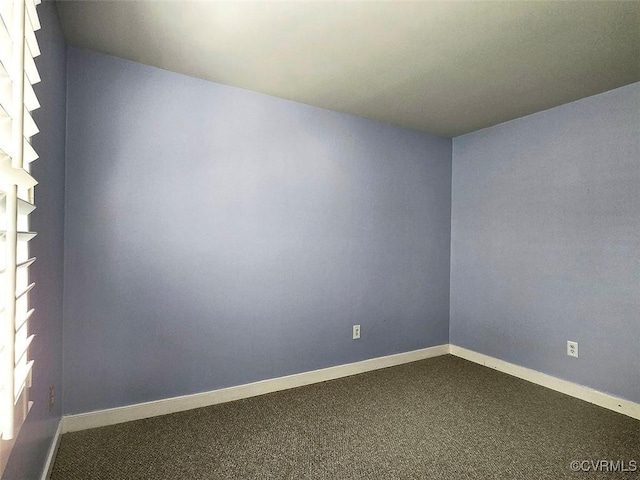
29	454
546	241
216	236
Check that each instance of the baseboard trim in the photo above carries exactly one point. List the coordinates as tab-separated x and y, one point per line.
53	450
610	402
112	416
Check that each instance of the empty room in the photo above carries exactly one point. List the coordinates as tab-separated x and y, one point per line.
319	240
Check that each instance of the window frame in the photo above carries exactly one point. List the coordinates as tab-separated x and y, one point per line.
18	72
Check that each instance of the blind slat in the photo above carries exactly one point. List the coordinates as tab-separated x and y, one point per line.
30	67
6	88
32	14
26	263
23	319
6	11
29	154
30	98
32	42
26	236
24	207
25	291
5	132
14	176
6	45
30	127
22	347
21	376
22	236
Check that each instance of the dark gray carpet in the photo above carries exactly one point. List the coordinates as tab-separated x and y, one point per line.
441	418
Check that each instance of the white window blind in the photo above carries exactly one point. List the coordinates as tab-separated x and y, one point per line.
18	72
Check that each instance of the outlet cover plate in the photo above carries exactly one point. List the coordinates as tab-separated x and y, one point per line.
572	348
356	332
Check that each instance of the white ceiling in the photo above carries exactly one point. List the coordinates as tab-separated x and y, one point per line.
443	67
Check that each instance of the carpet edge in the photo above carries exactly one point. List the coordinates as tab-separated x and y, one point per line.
602	399
112	416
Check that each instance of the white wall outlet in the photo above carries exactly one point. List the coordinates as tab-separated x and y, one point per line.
356	332
572	348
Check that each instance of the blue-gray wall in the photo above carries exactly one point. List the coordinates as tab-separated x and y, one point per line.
216	236
546	241
29	454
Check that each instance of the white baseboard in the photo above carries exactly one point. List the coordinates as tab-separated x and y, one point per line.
101	418
620	405
53	450
139	411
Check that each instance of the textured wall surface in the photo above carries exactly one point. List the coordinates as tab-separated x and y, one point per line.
215	236
29	454
546	241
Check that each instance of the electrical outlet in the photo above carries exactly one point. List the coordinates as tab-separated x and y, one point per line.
572	348
356	332
52	397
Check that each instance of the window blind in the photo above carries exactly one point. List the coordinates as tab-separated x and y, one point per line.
18	74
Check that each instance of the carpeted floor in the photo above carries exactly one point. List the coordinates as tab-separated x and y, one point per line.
441	418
